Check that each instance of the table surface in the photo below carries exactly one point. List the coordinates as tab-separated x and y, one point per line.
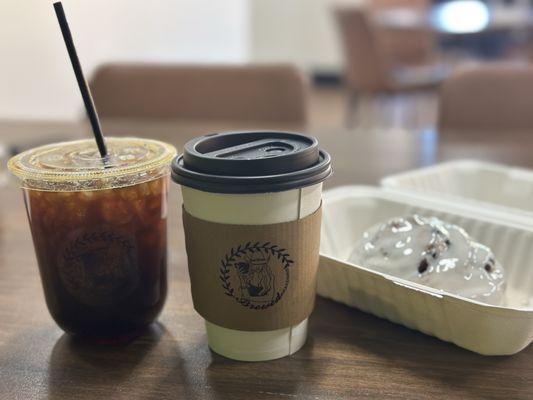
349	354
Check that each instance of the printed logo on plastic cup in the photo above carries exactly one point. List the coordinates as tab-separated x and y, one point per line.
99	267
256	275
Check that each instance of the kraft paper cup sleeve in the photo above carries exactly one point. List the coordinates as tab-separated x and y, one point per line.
253	277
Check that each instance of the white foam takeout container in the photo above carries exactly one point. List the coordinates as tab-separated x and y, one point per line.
349	211
498	190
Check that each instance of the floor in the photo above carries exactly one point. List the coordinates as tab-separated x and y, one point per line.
413	111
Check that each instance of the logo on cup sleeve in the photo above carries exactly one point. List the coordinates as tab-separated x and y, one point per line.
256	275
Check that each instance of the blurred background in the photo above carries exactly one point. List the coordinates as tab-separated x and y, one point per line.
174	69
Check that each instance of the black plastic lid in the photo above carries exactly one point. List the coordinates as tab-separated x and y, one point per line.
251	162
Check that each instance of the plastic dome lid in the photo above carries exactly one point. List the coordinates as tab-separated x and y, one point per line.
251	162
77	165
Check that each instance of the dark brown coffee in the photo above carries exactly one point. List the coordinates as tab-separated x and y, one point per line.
102	256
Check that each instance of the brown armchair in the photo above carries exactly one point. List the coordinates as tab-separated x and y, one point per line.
490	97
369	67
197	99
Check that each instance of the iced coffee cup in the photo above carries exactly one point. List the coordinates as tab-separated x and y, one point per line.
251	214
99	232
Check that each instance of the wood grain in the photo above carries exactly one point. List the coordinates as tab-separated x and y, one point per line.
349	354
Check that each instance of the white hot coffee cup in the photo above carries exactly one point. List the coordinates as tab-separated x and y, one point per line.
252	179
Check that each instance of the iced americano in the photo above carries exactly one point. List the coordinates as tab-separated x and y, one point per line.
100	232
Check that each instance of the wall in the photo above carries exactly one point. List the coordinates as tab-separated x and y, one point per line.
36	80
300	31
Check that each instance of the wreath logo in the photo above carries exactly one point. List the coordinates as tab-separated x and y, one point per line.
99	267
256	274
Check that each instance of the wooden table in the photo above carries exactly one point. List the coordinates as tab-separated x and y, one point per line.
349	354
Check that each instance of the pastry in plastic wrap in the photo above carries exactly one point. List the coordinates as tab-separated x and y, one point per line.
434	253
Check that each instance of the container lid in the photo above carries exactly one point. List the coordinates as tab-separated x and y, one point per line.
77	165
251	162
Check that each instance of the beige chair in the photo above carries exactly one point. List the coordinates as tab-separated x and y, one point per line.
407	46
194	99
365	70
388	4
369	69
491	97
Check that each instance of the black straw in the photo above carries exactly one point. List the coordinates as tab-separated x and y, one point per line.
82	83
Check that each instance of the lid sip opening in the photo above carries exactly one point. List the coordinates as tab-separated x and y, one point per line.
251	162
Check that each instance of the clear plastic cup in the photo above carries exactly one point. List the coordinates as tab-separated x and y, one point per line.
99	232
